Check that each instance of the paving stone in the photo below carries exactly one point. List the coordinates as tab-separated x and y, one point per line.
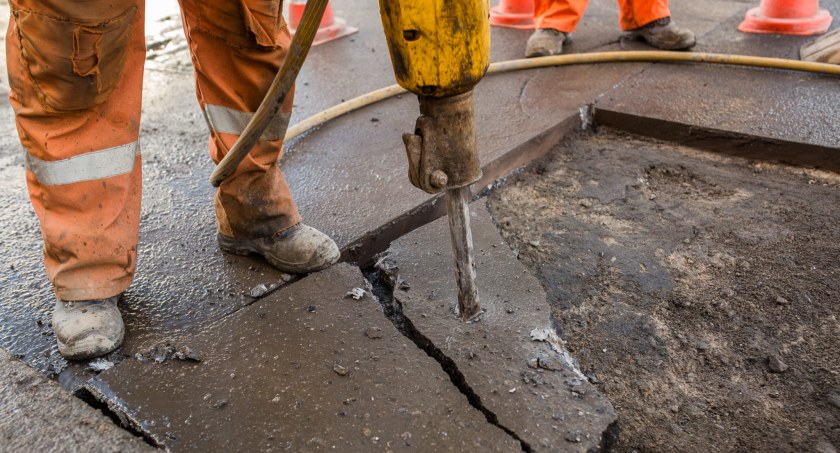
38	415
305	369
512	358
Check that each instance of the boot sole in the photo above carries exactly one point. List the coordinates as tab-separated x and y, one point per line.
242	248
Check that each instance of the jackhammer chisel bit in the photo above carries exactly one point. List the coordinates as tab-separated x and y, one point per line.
440	50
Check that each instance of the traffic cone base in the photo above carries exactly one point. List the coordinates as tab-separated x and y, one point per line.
511	20
787	17
513	14
754	22
330	28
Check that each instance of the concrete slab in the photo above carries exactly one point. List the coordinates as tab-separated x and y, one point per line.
699	102
38	415
305	369
511	359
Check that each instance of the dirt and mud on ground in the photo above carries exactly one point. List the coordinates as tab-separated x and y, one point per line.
699	292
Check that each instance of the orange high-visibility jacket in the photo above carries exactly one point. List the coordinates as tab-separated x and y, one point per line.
76	73
564	15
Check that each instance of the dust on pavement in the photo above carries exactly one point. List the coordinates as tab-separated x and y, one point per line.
699	292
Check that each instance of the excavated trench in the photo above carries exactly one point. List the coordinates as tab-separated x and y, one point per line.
699	288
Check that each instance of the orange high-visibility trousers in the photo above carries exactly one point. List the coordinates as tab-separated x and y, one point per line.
76	72
564	15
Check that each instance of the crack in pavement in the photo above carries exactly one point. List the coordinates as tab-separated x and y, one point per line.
522	92
99	396
383	284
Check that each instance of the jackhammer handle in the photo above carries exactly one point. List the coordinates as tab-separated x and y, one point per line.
277	92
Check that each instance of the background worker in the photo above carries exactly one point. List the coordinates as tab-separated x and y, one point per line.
76	74
649	20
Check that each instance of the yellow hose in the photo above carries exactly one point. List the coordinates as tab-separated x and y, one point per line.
580	58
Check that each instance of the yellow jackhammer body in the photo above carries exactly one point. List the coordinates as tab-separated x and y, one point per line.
440	49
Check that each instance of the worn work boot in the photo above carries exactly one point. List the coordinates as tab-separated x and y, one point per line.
545	42
664	34
299	249
88	328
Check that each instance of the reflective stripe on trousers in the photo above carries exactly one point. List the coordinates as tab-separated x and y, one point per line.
106	163
77	102
226	120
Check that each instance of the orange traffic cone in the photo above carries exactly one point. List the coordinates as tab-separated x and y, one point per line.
787	17
513	14
331	27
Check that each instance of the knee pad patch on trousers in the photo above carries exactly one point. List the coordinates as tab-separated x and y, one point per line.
243	23
74	63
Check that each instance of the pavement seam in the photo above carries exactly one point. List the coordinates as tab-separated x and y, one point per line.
719	141
361	251
383	288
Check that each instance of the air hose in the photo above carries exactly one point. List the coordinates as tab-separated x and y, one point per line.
575	59
280	87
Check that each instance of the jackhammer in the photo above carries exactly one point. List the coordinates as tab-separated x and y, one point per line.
440	50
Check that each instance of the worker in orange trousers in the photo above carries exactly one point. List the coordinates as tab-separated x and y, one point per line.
76	73
649	20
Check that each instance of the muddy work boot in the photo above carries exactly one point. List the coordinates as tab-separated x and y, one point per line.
545	42
87	328
299	250
663	34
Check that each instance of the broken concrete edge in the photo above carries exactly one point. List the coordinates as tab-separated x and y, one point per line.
386	278
37	414
362	250
720	141
97	390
